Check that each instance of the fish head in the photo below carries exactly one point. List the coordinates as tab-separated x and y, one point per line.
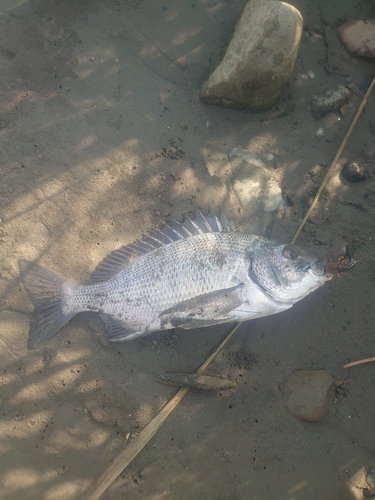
287	273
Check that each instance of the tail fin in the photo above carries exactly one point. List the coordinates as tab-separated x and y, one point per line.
45	290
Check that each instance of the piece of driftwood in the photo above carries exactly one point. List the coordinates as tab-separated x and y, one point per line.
196	381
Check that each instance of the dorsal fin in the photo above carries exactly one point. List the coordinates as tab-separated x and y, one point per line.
121	258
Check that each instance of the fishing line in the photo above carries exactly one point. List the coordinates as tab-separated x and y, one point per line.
365	257
127	455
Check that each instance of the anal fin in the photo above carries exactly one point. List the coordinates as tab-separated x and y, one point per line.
116	331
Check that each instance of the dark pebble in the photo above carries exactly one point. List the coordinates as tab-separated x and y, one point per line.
352	172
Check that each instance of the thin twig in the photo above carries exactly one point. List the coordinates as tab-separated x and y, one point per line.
360	362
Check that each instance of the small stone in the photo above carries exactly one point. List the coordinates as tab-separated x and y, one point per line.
306	394
311	73
358	37
331	100
353	172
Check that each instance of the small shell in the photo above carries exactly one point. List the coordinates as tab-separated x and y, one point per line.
305	77
319	132
208	124
311	74
270	157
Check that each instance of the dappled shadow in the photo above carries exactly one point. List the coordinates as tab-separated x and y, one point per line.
103	139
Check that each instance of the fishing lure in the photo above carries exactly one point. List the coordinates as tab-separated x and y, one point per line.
342	265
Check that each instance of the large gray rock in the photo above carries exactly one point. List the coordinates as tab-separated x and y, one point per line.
259	58
306	394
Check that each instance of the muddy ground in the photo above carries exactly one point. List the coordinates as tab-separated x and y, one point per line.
103	137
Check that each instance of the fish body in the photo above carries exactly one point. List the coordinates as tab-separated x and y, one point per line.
189	275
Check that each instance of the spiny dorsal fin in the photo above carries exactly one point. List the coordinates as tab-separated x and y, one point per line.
121	258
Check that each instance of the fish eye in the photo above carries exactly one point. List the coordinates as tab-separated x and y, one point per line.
290	252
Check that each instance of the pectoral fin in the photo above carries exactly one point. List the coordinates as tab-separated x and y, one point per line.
204	310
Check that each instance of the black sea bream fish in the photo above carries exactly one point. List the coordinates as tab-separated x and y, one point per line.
188	275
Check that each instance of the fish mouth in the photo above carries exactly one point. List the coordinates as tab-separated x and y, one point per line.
318	268
303	261
311	264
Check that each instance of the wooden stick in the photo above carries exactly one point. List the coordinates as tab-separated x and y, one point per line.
355	119
123	459
360	362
